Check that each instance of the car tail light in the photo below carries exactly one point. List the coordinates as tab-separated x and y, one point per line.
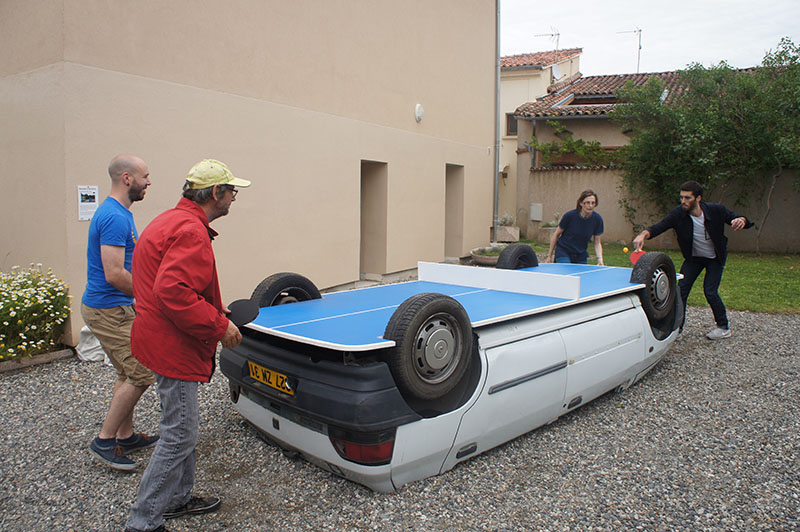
366	448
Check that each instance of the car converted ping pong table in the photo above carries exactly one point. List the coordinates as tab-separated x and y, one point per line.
395	383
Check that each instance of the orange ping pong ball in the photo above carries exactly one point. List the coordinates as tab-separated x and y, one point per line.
625	250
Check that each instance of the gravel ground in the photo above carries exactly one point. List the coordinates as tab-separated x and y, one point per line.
709	440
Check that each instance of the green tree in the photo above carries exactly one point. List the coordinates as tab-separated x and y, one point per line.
730	130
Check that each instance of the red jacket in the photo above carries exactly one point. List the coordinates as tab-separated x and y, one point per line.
179	317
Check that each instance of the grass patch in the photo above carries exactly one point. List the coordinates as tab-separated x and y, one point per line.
766	283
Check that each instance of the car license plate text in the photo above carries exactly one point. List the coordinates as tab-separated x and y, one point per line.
271	378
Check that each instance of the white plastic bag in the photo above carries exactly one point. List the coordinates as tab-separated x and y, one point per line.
89	348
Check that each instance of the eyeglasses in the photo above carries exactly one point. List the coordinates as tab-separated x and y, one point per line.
234	191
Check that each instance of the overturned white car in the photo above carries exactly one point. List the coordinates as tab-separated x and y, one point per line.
396	383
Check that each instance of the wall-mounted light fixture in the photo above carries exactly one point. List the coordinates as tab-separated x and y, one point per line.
419	112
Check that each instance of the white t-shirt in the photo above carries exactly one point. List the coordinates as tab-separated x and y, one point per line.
702	246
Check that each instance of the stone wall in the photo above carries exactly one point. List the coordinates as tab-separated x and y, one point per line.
558	191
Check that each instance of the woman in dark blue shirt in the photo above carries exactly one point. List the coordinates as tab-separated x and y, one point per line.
574	231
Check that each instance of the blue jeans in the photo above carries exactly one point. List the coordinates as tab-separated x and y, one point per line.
691	269
167	482
574	259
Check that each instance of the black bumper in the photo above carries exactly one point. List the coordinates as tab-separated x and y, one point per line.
353	397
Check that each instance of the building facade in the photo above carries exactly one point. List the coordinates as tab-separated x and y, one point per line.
348	117
525	78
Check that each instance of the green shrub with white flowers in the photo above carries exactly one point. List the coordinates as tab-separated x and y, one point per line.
34	307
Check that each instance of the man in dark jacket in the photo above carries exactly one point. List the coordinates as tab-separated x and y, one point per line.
179	320
700	228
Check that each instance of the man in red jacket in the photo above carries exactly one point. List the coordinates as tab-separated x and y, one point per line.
179	320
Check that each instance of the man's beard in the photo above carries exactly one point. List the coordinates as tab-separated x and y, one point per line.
136	194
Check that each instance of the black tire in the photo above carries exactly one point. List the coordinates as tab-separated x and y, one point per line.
433	338
282	288
657	272
517	256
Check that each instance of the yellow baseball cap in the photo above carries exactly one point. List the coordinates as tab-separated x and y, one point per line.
210	172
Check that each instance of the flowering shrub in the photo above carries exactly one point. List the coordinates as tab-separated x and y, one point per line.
34	307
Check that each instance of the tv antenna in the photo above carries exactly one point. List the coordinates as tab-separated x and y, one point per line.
639	52
554	35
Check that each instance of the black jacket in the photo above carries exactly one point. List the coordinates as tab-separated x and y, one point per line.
716	216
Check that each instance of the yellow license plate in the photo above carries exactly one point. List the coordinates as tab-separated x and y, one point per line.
271	378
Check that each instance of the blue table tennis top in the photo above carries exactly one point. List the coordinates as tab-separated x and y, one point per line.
354	320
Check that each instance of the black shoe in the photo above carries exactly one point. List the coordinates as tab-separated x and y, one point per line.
195	506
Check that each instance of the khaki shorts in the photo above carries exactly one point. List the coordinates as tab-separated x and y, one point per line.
112	326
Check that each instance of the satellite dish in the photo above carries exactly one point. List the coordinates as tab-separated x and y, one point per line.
557	72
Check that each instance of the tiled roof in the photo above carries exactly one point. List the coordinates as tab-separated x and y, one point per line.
537	60
558	85
598	93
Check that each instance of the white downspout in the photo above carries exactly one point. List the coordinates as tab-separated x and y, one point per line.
496	125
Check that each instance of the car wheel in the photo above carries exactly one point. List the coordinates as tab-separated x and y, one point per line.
657	272
282	288
517	256
433	343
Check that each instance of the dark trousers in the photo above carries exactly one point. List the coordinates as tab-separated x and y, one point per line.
691	270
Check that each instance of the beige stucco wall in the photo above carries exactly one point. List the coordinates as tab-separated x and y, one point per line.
290	95
516	88
558	192
600	129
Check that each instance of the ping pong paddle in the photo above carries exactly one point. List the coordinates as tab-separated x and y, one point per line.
243	311
635	255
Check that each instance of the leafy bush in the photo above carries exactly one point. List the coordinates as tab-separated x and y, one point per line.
506	220
554	221
34	307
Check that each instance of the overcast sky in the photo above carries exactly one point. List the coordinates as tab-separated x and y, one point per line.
674	32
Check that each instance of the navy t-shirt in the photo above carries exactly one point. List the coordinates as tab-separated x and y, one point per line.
577	233
112	225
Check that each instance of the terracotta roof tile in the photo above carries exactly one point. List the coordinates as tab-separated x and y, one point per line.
557	86
537	60
591	95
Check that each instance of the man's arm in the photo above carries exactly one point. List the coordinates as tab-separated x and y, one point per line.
232	336
185	272
668	222
113	259
736	221
638	242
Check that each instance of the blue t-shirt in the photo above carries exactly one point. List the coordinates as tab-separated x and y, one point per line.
112	225
577	233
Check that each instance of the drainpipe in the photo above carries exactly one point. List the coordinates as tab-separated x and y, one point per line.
496	125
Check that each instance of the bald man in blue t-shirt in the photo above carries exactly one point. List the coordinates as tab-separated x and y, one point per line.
107	309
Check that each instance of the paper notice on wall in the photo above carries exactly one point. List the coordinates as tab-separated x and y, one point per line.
87	201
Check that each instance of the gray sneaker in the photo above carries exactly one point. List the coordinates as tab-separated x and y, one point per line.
719	333
114	457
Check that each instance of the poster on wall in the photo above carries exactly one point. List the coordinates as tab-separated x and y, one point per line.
87	202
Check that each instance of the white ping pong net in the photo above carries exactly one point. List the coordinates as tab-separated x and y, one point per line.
524	282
